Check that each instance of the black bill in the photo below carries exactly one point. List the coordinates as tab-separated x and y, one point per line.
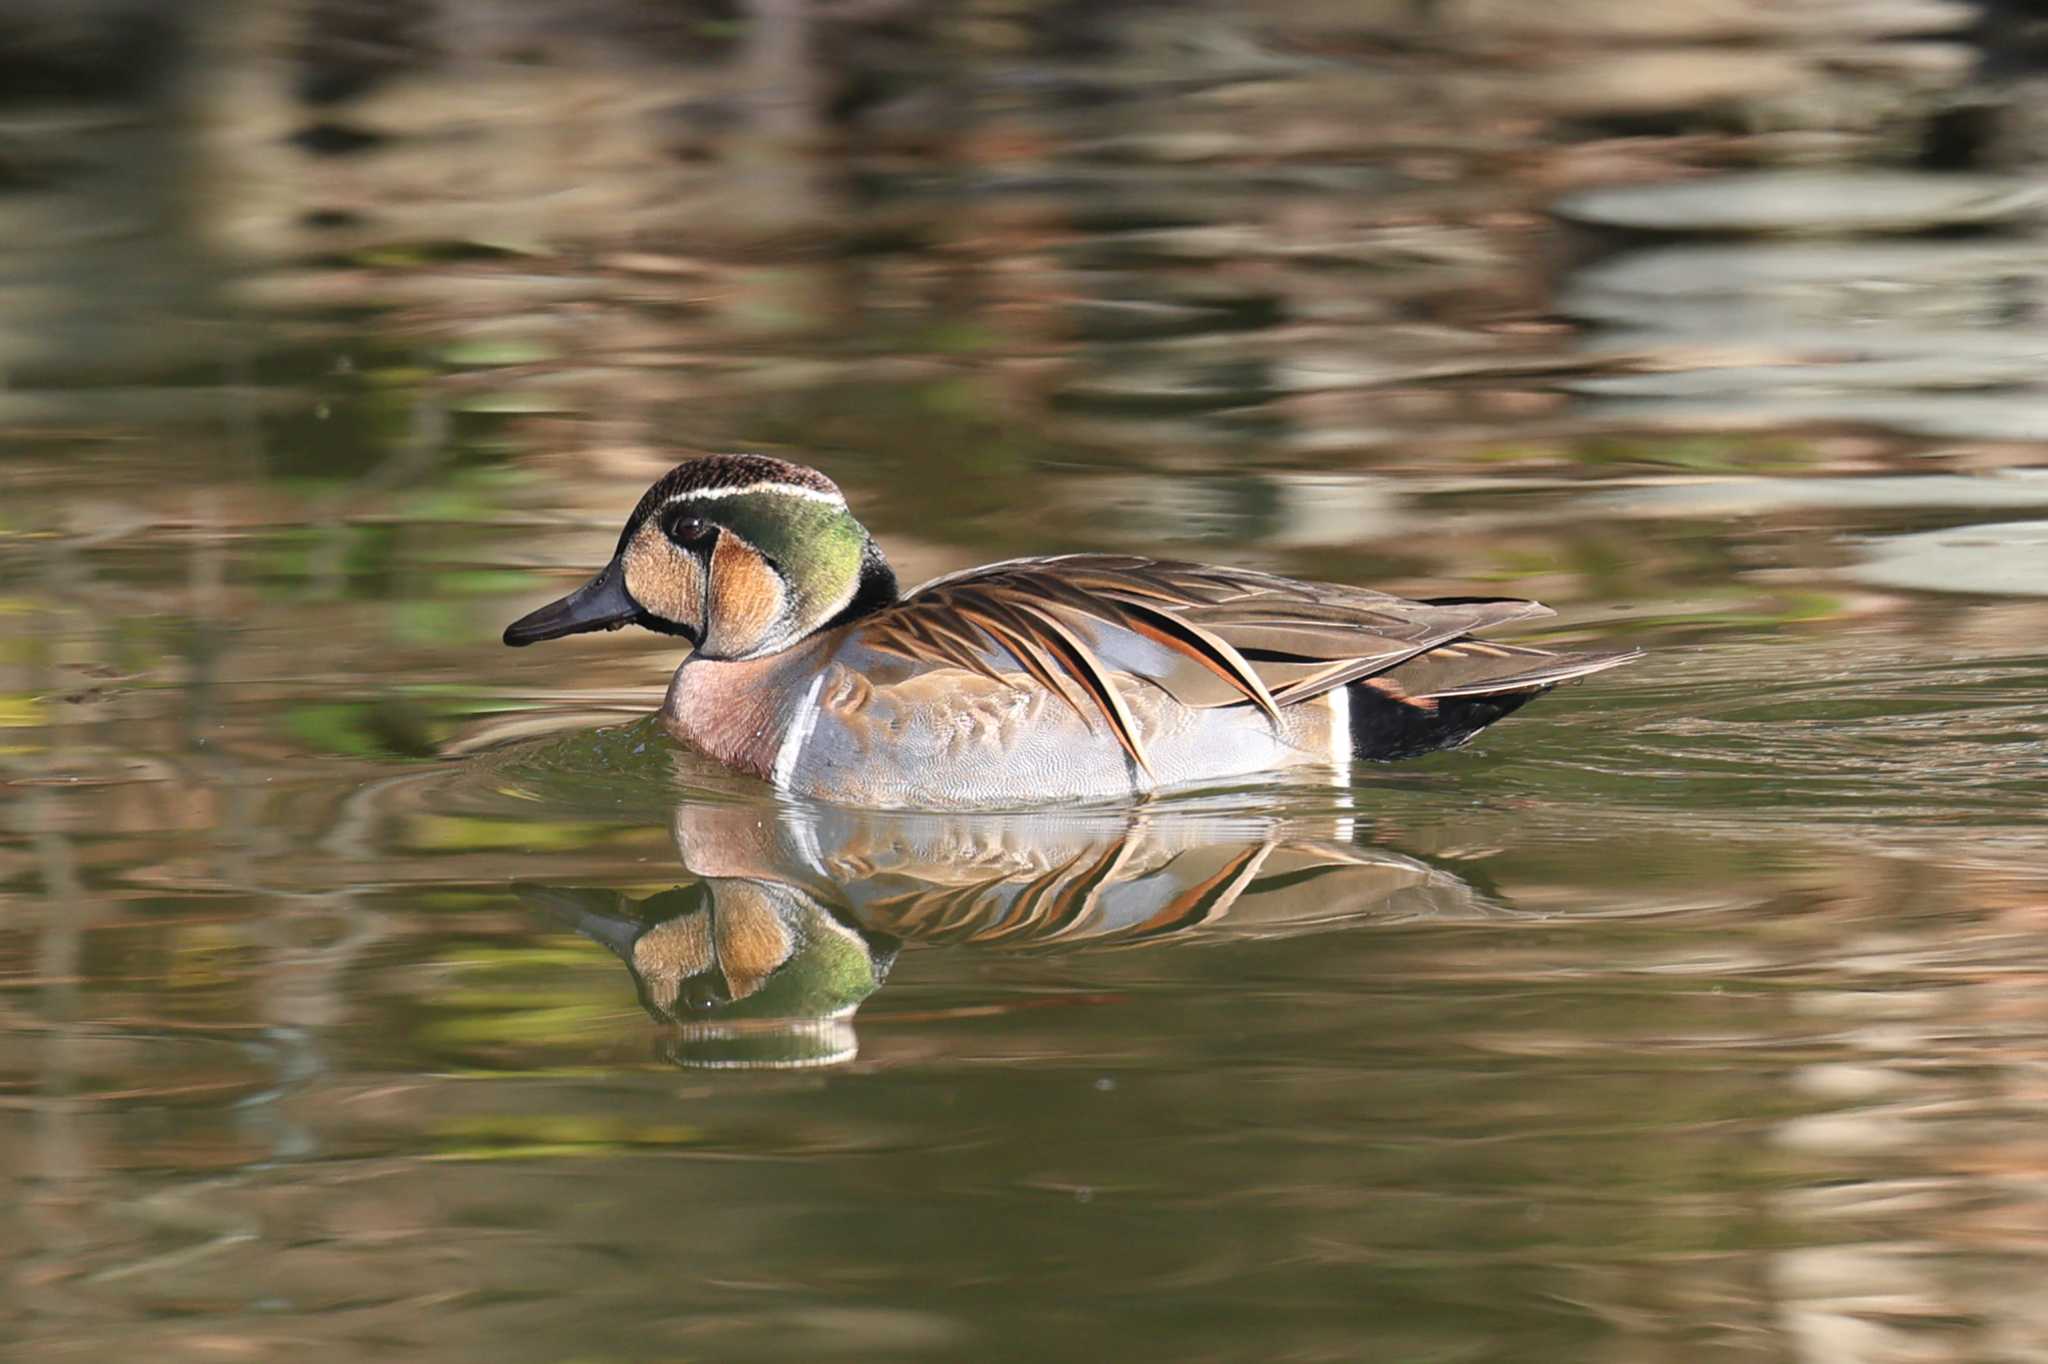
600	604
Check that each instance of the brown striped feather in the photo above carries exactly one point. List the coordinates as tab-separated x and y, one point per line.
1511	668
1030	655
1269	641
1211	651
1082	664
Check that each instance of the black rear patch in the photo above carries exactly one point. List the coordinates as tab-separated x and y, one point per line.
1383	728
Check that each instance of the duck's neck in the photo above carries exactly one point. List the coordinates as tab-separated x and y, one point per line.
739	712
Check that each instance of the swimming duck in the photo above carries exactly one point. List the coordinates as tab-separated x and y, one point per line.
1032	681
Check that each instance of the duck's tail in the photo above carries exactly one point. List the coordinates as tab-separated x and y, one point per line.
1441	698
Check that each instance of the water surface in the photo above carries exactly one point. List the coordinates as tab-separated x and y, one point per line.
368	990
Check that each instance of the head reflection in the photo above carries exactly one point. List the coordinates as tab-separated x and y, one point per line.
799	911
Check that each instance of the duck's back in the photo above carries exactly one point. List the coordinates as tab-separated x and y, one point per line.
1098	677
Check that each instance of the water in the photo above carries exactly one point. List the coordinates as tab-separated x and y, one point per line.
369	990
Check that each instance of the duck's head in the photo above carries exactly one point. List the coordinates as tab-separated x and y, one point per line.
742	555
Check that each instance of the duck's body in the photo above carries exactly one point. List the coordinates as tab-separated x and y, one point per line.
857	723
1086	677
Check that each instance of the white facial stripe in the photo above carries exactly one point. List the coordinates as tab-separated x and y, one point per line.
1340	728
766	486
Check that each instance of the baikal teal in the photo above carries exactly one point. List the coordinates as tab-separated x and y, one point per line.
1082	677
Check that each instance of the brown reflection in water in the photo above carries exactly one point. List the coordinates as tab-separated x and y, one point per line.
796	919
1802	1114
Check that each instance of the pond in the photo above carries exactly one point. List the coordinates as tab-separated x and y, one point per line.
370	990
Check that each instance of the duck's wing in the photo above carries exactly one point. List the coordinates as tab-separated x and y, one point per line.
1205	634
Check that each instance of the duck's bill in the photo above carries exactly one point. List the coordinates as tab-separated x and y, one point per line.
604	915
600	604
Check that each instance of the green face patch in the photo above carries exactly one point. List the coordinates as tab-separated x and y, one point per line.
815	545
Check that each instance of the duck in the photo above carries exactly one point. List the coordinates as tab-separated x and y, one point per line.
1095	677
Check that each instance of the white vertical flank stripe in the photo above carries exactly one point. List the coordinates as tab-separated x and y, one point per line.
1340	727
799	732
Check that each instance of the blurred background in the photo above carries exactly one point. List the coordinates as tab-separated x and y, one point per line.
368	990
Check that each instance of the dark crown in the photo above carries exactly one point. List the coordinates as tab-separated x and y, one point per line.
714	473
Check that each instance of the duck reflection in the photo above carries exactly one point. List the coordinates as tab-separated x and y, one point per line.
798	912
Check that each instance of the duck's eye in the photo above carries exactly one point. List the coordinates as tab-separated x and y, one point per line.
691	532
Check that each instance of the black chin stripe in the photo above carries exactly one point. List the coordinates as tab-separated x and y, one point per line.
647	620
